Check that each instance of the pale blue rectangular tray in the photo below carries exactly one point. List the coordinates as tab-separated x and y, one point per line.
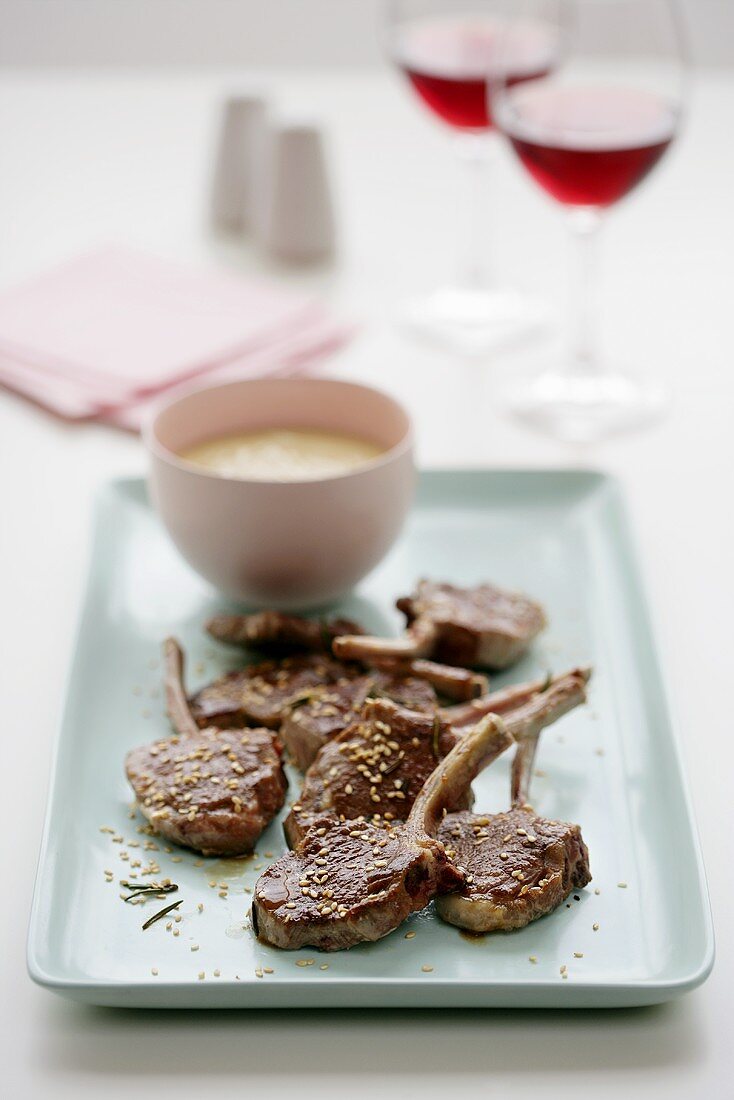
613	766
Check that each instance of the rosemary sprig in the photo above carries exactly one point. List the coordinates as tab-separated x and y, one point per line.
162	913
141	889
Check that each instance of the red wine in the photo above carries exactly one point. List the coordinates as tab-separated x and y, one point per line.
451	61
587	146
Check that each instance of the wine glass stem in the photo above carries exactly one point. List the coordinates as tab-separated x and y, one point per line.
474	152
584	357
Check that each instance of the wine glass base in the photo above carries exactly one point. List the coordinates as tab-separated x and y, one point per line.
587	408
474	321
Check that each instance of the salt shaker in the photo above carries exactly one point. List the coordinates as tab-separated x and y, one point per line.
297	215
236	185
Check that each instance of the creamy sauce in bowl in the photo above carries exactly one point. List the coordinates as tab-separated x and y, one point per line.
283	454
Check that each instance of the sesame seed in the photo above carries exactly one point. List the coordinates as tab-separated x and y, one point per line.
268	970
202	975
622	885
532	958
409	935
154	971
578	954
595	927
324	966
305	962
194	947
217	973
597	892
427	969
200	906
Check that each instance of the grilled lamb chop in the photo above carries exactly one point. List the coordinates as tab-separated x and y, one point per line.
310	724
354	775
374	769
480	627
212	790
261	694
279	633
349	882
519	866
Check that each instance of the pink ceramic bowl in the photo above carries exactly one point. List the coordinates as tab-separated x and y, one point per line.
294	544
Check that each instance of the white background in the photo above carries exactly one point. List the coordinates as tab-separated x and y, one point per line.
255	32
122	156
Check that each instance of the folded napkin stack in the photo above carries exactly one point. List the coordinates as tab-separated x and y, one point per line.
107	333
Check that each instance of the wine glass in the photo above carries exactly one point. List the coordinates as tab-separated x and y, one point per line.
588	132
447	49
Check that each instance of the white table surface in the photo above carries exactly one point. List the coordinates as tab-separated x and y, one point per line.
88	158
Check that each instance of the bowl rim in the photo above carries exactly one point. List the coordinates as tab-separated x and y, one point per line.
168	401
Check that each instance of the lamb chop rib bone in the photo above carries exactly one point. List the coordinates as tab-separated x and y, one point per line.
521	865
482	627
332	892
460	684
177	703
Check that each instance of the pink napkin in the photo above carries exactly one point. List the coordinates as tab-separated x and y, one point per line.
101	335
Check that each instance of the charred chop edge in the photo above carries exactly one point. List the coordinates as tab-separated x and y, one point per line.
378	892
531	864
